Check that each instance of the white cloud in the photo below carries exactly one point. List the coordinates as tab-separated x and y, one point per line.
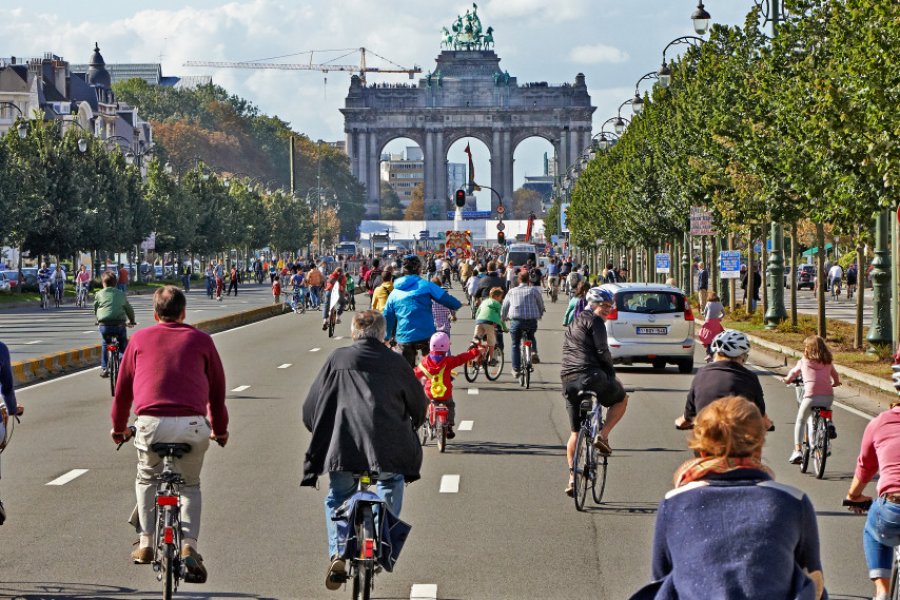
538	10
596	54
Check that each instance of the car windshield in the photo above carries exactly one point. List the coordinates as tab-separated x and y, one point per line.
649	302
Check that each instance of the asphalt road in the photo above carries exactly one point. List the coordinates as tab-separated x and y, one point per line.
507	532
31	332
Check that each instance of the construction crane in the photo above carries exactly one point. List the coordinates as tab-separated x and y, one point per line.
325	67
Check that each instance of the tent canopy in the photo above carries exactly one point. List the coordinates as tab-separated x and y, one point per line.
814	251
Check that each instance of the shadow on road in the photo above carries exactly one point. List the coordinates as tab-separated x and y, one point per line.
31	590
623	508
501	448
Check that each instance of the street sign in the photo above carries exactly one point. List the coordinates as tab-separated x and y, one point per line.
500	209
701	221
663	263
501	226
730	264
757	247
424	234
469	214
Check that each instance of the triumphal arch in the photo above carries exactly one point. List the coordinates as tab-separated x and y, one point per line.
467	94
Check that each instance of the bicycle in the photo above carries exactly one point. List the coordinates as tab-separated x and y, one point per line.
58	291
526	366
167	562
334	302
45	295
299	300
363	535
588	465
817	438
836	290
861	507
436	424
490	361
554	289
112	361
81	293
351	301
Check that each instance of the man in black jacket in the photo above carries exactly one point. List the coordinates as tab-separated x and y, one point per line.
363	410
491	280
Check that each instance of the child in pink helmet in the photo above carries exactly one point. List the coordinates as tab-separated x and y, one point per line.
435	372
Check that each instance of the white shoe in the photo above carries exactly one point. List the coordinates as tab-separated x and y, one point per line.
796	457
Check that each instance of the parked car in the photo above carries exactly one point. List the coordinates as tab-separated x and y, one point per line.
13	278
806	277
650	323
30	275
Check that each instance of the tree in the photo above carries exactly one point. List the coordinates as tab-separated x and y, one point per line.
390	206
416	209
525	202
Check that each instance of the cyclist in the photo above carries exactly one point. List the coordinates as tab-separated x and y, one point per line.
43	281
408	310
818	372
489	281
488	321
553	276
82	281
611	275
298	281
351	291
725	376
436	372
314	280
577	303
835	275
383	290
59	282
112	311
173	378
337	278
523	306
587	365
363	410
233	281
9	407
852	277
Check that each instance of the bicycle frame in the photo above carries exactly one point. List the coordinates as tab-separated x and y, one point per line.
167	556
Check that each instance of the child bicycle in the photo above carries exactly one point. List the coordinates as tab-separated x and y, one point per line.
491	362
437	422
589	465
819	432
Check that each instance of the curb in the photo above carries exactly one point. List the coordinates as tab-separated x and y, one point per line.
60	363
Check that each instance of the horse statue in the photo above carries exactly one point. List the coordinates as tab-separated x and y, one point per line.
487	39
447	41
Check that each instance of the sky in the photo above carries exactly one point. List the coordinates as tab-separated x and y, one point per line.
612	42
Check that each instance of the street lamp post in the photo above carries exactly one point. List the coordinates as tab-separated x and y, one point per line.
881	332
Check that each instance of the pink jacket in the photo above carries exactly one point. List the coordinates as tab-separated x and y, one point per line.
817	378
880	452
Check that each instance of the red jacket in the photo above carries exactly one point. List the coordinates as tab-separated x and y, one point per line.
447	363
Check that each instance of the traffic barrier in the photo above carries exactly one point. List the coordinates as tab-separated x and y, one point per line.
60	363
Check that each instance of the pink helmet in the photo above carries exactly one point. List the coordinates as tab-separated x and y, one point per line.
440	342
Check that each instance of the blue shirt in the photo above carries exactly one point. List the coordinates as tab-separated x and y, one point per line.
408	309
6	380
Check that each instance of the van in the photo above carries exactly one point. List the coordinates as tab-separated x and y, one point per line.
346	249
519	254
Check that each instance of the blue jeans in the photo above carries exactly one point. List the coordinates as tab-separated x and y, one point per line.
315	297
123	287
342	485
881	534
516	328
117	331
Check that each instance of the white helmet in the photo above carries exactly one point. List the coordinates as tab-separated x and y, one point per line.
597	295
730	343
896	377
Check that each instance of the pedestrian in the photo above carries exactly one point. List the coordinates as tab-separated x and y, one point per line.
381	292
373	279
122	278
186	278
9	408
315	279
173	377
363	410
610	276
713	313
276	290
770	545
220	284
702	284
233	281
819	379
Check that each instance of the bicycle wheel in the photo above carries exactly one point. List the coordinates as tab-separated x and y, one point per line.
580	468
804	461
820	447
526	367
113	369
168	569
441	427
598	485
331	320
492	372
471	368
894	592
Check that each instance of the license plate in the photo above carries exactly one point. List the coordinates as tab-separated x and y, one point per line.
652	330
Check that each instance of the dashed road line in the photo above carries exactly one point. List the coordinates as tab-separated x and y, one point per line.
284	366
449	484
423	591
473	391
64	479
465	425
314	349
338	337
90	331
32	342
241	388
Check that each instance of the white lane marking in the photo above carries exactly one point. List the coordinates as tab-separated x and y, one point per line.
338	337
284	366
465	425
449	484
854	411
423	591
33	342
64	479
314	349
90	331
241	388
473	391
198	310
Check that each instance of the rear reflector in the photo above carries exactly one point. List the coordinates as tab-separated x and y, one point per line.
527	343
168	535
825	414
615	345
111	348
167	500
369	548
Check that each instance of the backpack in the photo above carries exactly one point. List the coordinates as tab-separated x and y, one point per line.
438	389
373	280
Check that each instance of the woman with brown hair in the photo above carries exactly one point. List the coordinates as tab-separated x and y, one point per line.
728	530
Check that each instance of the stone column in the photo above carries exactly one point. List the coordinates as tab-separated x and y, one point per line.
373	182
440	169
507	163
351	152
429	155
574	149
562	151
497	166
362	160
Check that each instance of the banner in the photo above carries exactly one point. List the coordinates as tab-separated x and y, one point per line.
473	187
564	217
663	263
701	221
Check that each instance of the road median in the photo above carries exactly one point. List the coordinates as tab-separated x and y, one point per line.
53	365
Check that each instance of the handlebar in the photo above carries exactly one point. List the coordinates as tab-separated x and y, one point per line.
863	504
129	433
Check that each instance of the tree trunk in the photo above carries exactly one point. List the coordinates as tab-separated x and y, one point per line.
792	280
821	326
860	293
750	307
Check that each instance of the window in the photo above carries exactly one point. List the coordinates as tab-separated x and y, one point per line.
649	302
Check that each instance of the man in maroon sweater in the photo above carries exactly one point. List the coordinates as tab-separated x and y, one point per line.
172	375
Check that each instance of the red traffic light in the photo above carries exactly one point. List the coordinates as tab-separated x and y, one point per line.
501	237
460	198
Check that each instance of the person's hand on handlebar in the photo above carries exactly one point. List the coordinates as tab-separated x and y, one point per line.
858	504
132	324
220	439
120	437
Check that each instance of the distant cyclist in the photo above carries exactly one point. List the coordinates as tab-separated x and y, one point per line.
113	313
523	306
587	365
43	280
59	282
835	275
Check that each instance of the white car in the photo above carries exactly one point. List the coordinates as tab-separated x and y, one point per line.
651	323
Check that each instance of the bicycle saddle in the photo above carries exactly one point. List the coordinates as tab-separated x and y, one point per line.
176	450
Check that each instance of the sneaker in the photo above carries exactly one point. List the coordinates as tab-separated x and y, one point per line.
602	444
493	362
142	555
450	433
796	457
832	431
337	573
535	360
324	325
104	373
194	571
570	489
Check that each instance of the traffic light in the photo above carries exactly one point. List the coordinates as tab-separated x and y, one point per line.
501	238
460	198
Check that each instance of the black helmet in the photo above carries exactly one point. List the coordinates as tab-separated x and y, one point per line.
412	265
